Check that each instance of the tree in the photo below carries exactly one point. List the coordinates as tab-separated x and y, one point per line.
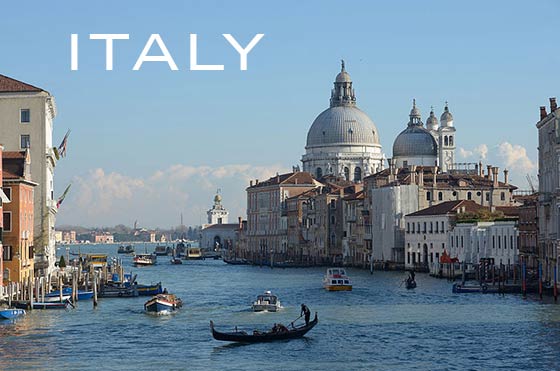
62	262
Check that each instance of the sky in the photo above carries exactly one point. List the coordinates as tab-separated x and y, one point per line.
152	144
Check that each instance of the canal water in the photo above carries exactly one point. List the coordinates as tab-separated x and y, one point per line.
378	326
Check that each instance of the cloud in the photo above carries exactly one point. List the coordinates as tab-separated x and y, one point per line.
480	151
515	158
101	198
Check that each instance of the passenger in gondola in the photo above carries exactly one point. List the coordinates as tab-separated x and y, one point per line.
305	312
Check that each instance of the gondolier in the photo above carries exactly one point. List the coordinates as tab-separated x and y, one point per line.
305	312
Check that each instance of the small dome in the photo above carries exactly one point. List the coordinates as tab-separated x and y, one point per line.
432	121
414	112
343	76
414	141
446	117
217	198
342	125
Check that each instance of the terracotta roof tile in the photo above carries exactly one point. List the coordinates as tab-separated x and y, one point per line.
9	85
449	207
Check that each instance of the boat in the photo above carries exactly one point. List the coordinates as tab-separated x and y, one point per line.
337	280
266	303
258	337
82	294
410	284
194	253
97	261
484	288
144	259
176	260
236	261
162	250
41	305
180	249
108	291
49	298
150	290
163	304
11	313
129	249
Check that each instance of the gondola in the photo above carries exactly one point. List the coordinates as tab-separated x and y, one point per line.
260	337
410	284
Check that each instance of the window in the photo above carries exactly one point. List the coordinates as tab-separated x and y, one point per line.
7	221
442	227
357	174
408	257
25	141
469	196
8	192
407	227
440	196
503	196
446	141
24	116
30	252
511	242
333	204
319	173
346	173
332	219
451	140
424	230
413	229
432	227
7	253
437	227
487	196
428	196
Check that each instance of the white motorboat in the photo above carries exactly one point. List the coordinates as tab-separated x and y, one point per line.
266	302
337	280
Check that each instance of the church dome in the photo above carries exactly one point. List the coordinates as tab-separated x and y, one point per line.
343	76
342	125
432	121
414	141
446	117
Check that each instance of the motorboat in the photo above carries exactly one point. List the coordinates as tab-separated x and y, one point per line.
162	250
144	259
176	260
82	294
337	280
129	249
194	253
150	290
266	302
42	305
11	313
163	304
277	333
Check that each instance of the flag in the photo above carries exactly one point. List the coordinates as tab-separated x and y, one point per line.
62	147
61	198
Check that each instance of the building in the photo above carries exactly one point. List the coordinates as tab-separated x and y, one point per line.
528	230
217	214
103	237
266	235
354	217
343	141
26	122
58	236
549	186
18	219
395	192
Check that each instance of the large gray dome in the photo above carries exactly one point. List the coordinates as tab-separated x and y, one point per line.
342	125
414	141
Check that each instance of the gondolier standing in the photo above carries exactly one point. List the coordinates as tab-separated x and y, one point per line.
305	311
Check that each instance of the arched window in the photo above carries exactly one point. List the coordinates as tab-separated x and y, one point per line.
357	174
346	173
446	141
451	140
319	173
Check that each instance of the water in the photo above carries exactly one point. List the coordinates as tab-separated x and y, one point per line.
377	326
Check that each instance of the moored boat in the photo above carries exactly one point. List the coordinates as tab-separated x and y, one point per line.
82	294
337	280
266	302
162	250
236	261
41	305
49	298
11	313
150	290
194	253
163	304
278	333
144	259
175	260
112	291
129	249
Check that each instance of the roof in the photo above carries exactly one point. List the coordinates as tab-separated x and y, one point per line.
10	85
14	164
449	207
299	177
355	196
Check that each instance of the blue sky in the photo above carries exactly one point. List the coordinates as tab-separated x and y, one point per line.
148	145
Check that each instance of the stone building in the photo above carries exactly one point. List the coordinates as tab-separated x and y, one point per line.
219	235
549	188
217	214
354	217
26	122
343	141
528	229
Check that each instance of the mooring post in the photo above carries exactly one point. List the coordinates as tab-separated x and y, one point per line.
94	289
60	287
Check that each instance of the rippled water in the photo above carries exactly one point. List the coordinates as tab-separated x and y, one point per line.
377	326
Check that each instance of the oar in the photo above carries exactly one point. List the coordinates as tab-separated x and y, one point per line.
292	323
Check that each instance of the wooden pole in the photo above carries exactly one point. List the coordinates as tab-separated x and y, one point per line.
10	293
60	287
540	279
94	290
43	289
30	280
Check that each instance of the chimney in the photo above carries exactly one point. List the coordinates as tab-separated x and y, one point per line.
240	221
277	178
480	169
489	173
553	105
506	171
256	181
250	183
495	171
412	174
543	112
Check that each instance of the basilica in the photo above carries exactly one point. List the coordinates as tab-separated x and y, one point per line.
343	141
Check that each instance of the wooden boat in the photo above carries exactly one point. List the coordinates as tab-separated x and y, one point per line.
11	313
129	249
163	304
82	294
175	260
410	284
484	288
144	259
49	298
337	280
150	290
41	305
236	261
266	303
259	337
111	291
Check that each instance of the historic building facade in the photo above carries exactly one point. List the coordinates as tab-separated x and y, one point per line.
26	122
343	141
549	188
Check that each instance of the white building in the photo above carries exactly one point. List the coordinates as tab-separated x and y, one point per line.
343	141
218	234
217	214
430	146
26	121
470	242
549	184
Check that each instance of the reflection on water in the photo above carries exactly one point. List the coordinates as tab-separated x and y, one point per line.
379	325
